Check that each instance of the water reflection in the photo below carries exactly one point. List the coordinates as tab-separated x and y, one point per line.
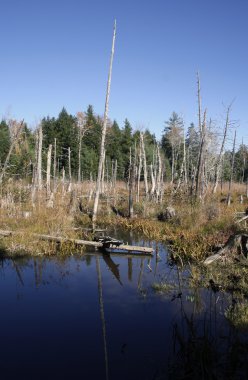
97	317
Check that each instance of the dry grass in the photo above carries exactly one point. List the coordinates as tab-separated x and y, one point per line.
193	233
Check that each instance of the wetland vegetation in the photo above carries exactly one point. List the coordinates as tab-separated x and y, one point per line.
186	196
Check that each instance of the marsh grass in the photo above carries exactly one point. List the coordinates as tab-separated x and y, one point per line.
163	287
192	234
237	315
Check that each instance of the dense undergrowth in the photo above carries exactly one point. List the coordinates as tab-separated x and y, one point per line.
194	233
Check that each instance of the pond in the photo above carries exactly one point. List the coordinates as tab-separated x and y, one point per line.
98	317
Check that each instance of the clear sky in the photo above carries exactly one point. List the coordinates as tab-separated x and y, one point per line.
56	53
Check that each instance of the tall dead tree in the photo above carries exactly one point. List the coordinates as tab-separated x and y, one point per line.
39	162
48	181
131	182
54	164
17	130
139	173
104	127
82	129
199	102
143	152
231	175
200	165
69	169
159	176
219	158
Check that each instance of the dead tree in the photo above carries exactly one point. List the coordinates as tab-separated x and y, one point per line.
131	183
219	158
199	102
183	170
200	171
152	180
231	175
15	137
48	181
104	127
39	163
159	176
69	169
82	129
54	164
139	172
144	161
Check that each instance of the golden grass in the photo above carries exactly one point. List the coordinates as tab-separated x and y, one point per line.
193	233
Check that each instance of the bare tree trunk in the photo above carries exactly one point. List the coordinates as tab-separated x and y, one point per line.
172	164
144	162
131	184
104	127
199	173
48	182
115	174
63	180
199	102
13	143
39	164
114	181
152	180
79	154
54	165
34	177
69	164
139	173
185	161
103	174
231	175
183	172
219	159
159	175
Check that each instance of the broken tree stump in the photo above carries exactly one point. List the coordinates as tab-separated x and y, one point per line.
236	248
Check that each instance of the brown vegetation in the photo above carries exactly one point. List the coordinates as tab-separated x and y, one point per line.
193	233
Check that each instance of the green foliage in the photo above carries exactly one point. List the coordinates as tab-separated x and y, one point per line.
4	140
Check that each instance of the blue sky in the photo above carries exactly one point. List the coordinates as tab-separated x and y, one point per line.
56	53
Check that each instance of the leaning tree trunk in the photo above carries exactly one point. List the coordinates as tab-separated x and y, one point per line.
104	127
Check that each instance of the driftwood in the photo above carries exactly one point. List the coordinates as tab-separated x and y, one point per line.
236	249
61	240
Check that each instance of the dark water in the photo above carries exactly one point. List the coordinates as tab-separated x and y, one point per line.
92	317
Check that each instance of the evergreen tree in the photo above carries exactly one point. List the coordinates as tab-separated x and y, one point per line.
172	140
4	140
126	144
114	148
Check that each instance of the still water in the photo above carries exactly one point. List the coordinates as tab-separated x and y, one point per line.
98	317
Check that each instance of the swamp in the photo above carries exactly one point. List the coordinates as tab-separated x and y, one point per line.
136	317
123	255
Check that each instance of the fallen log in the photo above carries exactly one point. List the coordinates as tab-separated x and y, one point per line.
236	248
99	245
5	233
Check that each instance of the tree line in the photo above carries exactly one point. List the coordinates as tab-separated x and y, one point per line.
77	139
